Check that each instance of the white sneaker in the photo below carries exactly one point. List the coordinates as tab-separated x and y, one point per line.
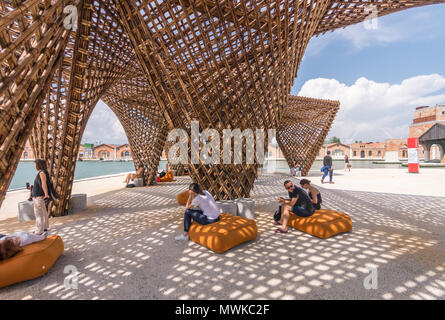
182	237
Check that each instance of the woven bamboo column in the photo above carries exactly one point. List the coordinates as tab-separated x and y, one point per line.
304	125
32	39
75	90
224	65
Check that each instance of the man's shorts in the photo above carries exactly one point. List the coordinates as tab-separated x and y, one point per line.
301	212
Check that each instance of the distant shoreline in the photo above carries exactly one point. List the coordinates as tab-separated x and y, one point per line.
84	179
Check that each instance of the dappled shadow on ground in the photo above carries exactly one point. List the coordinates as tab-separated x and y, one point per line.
124	248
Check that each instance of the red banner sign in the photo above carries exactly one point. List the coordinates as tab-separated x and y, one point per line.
413	155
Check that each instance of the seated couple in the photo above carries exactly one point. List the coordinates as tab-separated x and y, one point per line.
201	207
163	172
300	203
11	244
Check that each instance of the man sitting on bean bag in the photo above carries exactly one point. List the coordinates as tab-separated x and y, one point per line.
299	204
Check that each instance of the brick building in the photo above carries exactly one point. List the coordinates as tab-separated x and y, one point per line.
368	150
106	151
396	150
113	152
123	152
338	150
27	153
424	119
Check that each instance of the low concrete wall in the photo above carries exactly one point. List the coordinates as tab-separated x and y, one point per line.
138	182
243	207
26	211
78	202
246	208
228	206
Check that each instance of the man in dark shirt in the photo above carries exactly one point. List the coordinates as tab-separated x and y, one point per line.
328	168
299	203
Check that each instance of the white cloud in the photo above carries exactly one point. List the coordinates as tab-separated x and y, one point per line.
376	111
390	29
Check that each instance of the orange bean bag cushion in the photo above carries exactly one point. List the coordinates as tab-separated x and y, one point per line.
183	197
322	224
168	177
225	234
32	262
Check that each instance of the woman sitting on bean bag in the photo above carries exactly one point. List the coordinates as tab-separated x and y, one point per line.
201	207
313	192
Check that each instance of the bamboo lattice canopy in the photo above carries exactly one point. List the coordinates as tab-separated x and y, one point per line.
160	65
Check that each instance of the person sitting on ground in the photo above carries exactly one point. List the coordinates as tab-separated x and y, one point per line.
162	173
297	170
299	204
313	192
201	207
11	244
139	174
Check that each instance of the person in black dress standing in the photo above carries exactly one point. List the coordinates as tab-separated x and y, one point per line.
40	192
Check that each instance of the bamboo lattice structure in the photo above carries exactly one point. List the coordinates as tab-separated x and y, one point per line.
159	65
305	123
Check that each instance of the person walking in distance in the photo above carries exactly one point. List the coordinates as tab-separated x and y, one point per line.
328	168
347	163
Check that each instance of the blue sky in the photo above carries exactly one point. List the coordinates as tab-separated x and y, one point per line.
379	76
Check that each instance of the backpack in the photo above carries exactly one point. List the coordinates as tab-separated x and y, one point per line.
53	195
277	214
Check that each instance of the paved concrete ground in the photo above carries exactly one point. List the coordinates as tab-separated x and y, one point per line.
123	248
429	182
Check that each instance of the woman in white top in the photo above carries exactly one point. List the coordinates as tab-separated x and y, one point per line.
11	244
201	207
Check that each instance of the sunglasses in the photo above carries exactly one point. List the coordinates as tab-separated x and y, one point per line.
290	187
